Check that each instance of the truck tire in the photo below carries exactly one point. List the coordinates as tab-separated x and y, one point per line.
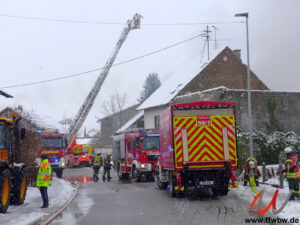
134	173
224	190
59	172
19	187
221	191
119	171
160	185
5	180
173	193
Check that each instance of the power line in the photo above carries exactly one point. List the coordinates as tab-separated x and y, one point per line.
94	70
113	23
116	64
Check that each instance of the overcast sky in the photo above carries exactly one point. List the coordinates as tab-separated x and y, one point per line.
36	50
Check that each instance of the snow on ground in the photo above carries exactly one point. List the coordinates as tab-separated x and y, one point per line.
291	210
59	193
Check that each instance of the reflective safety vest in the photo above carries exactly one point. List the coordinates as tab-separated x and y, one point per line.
98	160
292	167
44	174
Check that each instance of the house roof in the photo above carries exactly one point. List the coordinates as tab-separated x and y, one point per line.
171	87
131	121
131	108
84	141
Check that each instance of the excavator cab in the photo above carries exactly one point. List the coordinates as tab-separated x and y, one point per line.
5	141
13	180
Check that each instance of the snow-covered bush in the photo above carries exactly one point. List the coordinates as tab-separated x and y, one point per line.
268	148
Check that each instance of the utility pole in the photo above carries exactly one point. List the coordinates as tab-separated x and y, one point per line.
215	31
251	153
206	35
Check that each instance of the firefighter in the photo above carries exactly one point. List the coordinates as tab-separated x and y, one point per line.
97	165
106	168
137	19
292	171
44	179
251	164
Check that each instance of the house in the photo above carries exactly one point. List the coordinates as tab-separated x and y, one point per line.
271	110
225	68
111	124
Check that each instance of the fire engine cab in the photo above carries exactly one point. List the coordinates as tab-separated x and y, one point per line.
53	147
135	154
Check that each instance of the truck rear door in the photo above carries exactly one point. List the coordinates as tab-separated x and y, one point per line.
204	138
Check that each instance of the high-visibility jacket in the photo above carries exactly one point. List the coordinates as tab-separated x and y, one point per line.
292	167
97	160
44	174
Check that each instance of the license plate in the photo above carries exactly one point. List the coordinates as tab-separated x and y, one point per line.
207	182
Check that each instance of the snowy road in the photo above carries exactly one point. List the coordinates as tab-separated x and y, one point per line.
117	203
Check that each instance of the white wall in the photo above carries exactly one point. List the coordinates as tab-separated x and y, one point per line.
149	115
103	150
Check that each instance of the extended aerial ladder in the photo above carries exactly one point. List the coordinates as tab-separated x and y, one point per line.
84	110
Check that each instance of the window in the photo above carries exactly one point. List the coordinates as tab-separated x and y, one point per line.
151	143
2	137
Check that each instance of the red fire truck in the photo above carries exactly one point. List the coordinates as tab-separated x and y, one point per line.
135	154
80	156
54	148
198	148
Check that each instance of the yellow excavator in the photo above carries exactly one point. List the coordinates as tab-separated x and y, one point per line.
13	180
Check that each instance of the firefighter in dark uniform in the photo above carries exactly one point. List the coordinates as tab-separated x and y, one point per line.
251	164
292	170
106	168
97	165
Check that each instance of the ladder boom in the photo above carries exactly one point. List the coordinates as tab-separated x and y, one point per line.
90	99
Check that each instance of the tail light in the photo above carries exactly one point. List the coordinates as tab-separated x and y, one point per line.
178	178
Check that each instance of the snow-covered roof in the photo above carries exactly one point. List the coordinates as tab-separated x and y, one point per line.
84	141
131	121
171	87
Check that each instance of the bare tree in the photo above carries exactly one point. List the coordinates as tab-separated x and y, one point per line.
66	122
116	103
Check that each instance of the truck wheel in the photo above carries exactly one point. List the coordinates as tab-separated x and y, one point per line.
161	185
224	190
172	186
19	189
138	177
59	173
119	172
4	190
134	173
220	191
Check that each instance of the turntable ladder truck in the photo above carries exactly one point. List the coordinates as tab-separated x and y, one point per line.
84	110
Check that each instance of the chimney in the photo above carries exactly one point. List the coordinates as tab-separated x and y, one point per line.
237	53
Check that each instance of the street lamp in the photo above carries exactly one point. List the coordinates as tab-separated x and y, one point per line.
248	86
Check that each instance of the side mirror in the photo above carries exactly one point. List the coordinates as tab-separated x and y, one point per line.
23	133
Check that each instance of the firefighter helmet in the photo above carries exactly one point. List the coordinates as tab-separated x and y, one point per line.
251	164
288	150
